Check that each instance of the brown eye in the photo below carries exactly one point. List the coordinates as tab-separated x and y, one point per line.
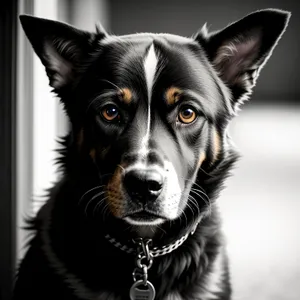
110	113
187	115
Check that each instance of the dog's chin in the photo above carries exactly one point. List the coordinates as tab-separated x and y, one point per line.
144	224
152	221
144	228
144	218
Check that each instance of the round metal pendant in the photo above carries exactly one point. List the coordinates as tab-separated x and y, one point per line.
140	291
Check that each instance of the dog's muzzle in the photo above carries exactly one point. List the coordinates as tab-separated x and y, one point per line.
143	185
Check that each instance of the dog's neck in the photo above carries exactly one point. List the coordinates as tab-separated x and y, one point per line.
80	260
77	248
145	231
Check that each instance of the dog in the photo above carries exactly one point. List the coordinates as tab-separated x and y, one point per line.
134	215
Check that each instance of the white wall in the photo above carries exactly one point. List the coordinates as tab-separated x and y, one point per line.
261	204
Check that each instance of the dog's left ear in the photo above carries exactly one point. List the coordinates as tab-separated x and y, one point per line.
62	48
239	51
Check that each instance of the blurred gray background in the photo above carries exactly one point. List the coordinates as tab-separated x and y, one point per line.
261	204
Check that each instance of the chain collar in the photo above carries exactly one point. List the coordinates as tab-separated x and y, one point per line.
156	251
142	288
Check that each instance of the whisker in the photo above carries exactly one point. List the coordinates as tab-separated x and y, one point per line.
194	183
158	227
97	206
200	193
99	97
184	214
113	84
129	227
205	172
105	211
90	190
206	201
91	200
194	201
200	187
121	167
191	209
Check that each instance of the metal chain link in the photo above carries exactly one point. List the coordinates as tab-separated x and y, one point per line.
144	260
154	252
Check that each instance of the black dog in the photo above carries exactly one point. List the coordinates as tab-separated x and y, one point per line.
134	215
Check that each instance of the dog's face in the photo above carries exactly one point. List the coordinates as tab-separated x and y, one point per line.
154	115
151	110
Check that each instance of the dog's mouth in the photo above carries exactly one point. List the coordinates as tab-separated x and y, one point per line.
144	217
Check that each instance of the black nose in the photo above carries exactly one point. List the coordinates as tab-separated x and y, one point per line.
143	185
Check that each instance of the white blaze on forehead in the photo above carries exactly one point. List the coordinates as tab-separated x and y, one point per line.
150	66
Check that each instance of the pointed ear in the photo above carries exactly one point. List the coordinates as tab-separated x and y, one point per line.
60	47
239	51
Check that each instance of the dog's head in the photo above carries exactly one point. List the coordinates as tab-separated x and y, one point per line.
151	110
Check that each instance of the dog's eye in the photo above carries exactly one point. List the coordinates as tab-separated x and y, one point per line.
187	115
110	113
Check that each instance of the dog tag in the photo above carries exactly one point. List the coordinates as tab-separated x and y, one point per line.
139	291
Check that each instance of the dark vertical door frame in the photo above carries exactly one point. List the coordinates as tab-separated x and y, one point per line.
8	37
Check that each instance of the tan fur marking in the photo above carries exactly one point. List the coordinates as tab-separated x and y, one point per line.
126	95
216	144
114	194
80	138
173	95
93	154
201	159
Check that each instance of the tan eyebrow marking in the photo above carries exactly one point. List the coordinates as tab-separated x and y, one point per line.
217	144
173	95
126	95
201	159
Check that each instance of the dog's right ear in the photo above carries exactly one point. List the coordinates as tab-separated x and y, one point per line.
60	47
239	51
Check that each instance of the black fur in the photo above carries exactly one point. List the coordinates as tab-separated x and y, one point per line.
69	257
